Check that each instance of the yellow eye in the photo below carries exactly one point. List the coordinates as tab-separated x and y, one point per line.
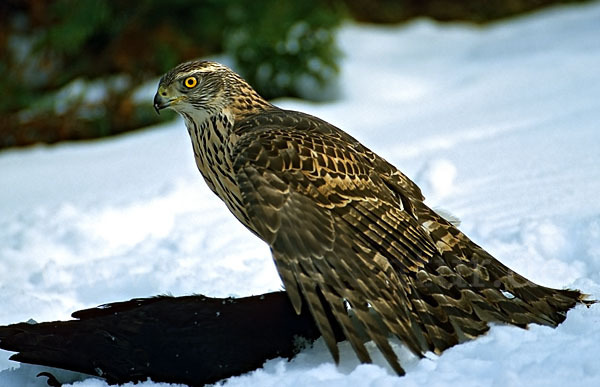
190	82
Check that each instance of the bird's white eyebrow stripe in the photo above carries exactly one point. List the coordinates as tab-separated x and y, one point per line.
199	71
187	74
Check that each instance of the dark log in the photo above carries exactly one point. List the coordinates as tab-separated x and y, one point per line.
192	340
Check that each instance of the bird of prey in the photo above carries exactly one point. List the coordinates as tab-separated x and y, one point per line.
349	233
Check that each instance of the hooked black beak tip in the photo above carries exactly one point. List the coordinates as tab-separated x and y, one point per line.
158	103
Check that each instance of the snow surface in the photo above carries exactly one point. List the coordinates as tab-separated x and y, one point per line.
500	125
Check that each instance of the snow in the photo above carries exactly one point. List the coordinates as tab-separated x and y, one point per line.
500	125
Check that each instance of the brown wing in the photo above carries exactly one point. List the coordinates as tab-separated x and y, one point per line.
345	226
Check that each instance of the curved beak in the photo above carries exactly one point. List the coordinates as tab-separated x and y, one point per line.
160	102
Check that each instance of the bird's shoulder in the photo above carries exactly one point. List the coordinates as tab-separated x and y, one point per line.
294	126
287	139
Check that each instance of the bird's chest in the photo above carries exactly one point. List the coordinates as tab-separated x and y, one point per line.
212	150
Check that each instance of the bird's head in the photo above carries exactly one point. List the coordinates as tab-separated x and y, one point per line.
201	89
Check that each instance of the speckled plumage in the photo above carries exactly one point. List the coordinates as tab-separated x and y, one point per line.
346	228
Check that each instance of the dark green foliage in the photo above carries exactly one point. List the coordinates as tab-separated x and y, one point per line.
47	45
277	45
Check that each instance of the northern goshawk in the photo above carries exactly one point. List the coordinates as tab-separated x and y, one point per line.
347	230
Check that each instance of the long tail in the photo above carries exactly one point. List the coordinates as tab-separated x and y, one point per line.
465	288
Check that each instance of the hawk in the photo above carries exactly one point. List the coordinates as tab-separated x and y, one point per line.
349	233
